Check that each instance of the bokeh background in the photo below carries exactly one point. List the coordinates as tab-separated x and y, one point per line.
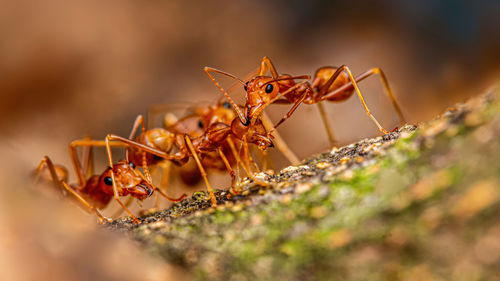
74	68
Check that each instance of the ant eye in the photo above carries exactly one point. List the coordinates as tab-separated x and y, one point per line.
245	87
200	124
108	181
226	105
131	165
269	88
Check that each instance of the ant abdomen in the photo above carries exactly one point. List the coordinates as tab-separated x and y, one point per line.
157	138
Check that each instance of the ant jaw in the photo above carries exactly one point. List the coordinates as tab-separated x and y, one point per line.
150	190
142	191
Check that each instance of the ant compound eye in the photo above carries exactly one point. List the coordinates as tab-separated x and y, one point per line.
245	87
131	165
269	88
108	181
200	124
226	105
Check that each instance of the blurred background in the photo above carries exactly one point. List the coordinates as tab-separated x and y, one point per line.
74	68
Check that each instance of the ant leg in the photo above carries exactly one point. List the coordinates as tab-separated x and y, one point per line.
358	92
328	126
265	65
120	211
236	155
251	160
267	164
164	184
247	160
85	203
87	159
229	169
165	177
281	145
388	90
246	156
139	121
53	173
160	190
182	197
189	144
290	112
115	189
261	156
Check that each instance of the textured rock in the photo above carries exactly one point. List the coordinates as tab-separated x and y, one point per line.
416	204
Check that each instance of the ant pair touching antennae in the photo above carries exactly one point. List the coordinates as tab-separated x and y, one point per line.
95	192
335	84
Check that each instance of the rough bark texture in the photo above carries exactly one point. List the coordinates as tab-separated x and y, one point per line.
417	204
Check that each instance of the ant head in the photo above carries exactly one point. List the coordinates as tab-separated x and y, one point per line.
128	181
261	91
223	112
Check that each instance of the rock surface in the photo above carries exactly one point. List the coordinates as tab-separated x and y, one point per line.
416	204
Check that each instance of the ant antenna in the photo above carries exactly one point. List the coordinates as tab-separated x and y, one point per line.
207	69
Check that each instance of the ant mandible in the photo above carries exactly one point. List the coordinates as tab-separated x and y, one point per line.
335	84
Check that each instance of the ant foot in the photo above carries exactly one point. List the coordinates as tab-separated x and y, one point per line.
214	202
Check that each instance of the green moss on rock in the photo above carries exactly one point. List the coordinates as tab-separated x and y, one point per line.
415	204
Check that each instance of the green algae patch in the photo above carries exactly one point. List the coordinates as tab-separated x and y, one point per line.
416	204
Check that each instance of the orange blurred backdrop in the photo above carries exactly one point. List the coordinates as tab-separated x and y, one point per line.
69	69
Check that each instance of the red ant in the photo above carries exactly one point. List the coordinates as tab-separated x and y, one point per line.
329	83
96	191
